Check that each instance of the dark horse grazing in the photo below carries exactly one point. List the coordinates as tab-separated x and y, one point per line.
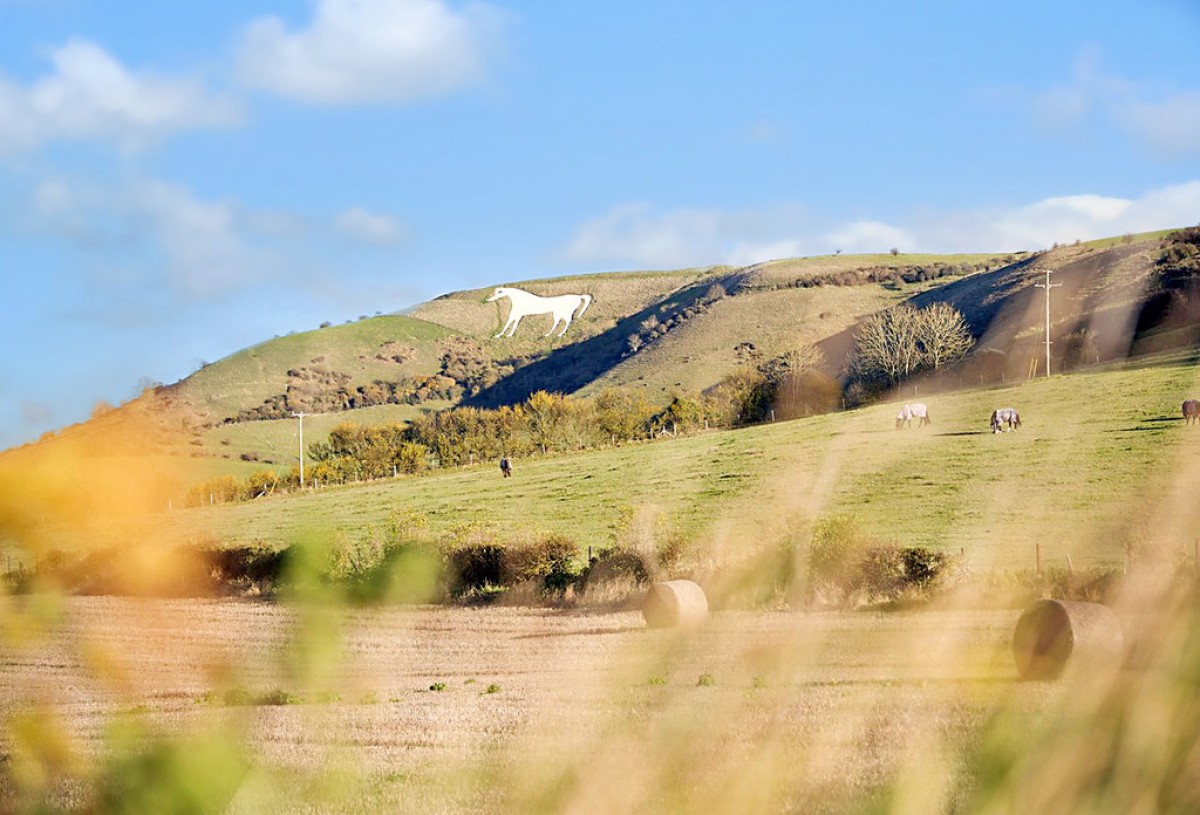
1005	416
506	467
1191	411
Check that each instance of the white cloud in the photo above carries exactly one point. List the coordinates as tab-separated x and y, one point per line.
203	241
90	95
370	51
146	233
370	227
640	235
1166	121
1171	125
637	235
1062	219
870	236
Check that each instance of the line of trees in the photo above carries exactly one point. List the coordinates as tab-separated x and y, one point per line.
543	423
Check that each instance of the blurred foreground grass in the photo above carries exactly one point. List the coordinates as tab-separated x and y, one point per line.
118	704
312	704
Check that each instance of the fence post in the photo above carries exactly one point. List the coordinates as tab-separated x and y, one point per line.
1037	557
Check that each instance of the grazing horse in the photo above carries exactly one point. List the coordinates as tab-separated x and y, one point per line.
525	303
1191	411
1005	416
917	410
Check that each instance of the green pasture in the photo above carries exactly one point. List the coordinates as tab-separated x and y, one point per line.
247	378
1093	469
275	443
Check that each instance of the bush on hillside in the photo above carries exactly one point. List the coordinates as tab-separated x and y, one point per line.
835	551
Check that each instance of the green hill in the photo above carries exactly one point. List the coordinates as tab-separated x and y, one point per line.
664	333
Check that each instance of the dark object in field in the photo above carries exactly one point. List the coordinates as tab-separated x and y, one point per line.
674	603
506	467
1054	634
1005	416
1191	411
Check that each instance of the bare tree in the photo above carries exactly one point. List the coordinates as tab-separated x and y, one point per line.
943	334
886	345
898	342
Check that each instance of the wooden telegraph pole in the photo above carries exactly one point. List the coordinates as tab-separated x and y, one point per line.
301	416
1047	286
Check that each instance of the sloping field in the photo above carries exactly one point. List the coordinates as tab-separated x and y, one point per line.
697	354
1101	462
243	380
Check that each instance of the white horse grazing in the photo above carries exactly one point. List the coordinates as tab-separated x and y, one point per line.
525	303
1006	418
917	410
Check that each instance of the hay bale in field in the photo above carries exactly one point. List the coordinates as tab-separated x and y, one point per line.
674	603
1054	634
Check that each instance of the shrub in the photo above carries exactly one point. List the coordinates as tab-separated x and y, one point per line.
550	562
476	566
617	564
837	547
247	567
882	571
403	572
894	573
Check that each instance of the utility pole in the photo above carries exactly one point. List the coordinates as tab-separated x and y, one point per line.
301	416
1048	286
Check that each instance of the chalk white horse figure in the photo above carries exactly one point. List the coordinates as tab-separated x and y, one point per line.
916	410
525	303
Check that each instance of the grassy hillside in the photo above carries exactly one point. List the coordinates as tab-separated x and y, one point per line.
665	332
1099	464
363	350
614	295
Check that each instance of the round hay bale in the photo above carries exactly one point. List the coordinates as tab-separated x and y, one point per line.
1054	634
674	603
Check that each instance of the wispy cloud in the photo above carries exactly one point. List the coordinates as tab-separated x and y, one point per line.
642	235
1165	120
149	235
372	51
639	235
91	95
371	227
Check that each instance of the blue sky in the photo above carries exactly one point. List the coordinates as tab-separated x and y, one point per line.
181	180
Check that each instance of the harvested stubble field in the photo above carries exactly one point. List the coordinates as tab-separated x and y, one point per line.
536	710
